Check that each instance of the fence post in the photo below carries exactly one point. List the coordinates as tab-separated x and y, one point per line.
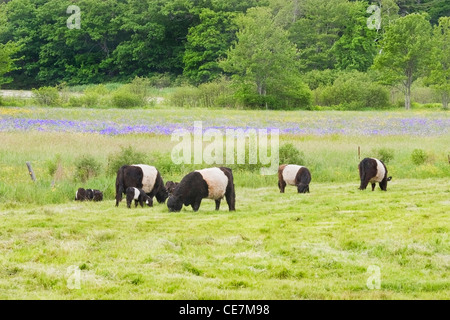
30	171
359	153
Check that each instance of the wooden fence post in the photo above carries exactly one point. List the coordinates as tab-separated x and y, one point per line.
359	153
30	171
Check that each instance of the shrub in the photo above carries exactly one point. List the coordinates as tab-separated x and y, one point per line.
123	98
52	165
46	96
126	156
291	93
186	96
419	156
385	154
317	78
140	87
215	93
352	91
160	81
289	154
86	167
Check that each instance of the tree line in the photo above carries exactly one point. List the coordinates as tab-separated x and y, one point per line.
275	51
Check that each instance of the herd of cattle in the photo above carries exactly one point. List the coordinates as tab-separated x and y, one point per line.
143	182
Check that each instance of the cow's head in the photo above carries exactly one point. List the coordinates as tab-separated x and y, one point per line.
148	201
303	188
162	194
175	204
170	186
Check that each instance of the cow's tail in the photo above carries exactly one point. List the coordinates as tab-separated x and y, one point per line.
362	174
119	186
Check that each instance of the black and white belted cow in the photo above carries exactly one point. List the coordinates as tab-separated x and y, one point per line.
372	170
211	183
143	177
294	175
88	194
139	196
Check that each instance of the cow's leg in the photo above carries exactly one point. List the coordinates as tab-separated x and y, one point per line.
196	204
281	185
383	185
128	204
230	196
218	204
373	186
364	183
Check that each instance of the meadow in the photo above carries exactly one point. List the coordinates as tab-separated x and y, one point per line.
322	245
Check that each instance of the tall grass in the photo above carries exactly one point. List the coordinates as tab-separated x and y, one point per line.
331	159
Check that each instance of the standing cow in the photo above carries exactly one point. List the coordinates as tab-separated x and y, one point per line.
211	183
294	175
139	196
372	170
143	177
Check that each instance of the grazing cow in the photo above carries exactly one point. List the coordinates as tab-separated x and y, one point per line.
170	186
97	195
80	195
88	194
294	175
211	183
143	177
372	170
139	196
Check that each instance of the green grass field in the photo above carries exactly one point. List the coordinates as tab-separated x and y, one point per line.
321	245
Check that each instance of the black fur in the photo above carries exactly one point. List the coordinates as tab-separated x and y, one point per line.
131	176
89	194
81	195
170	186
97	196
367	170
193	188
143	197
302	179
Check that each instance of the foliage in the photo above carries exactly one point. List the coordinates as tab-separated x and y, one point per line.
439	66
385	154
268	47
262	62
124	98
7	62
47	96
52	165
405	50
419	157
207	43
353	91
86	167
289	154
126	156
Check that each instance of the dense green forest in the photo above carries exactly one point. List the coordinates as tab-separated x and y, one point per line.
275	51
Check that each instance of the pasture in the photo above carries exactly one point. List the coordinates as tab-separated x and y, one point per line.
321	245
